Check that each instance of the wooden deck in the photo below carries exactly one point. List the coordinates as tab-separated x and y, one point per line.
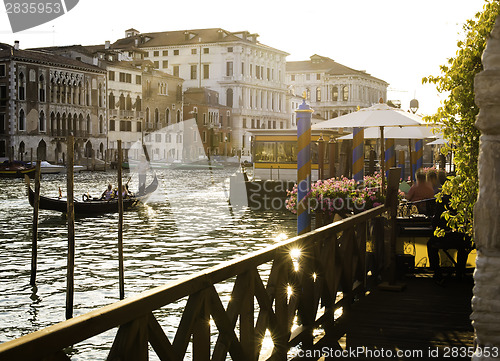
424	316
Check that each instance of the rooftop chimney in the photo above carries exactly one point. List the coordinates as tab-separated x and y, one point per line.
16	44
107	44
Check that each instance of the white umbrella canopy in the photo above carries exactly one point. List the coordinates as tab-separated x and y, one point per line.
378	115
409	132
438	141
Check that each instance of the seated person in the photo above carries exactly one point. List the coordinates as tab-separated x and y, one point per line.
442	178
420	191
108	193
432	179
451	240
125	193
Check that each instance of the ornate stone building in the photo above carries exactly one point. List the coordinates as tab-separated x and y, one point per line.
43	98
333	89
248	75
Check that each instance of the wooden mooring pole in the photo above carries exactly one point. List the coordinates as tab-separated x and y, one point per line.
120	224
34	239
70	288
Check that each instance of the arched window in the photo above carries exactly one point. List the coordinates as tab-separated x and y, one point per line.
178	116
147	115
128	104
79	93
63	91
67	130
41	89
229	97
111	101
346	93
101	125
167	116
99	94
52	122
41	122
87	94
157	117
64	124
138	105
335	93
88	125
122	102
58	124
22	86
318	94
22	121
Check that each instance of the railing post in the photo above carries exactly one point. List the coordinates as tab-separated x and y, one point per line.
392	206
281	308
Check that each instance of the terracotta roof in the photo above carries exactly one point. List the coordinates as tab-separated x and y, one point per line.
45	57
323	64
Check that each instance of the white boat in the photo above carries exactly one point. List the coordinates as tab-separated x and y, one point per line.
47	168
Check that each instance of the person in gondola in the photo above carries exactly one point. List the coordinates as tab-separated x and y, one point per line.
125	192
108	193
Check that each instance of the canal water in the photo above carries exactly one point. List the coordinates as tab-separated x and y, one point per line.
186	226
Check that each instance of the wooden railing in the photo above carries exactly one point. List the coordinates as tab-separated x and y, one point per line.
294	300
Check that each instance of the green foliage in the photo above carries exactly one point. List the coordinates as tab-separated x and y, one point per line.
458	112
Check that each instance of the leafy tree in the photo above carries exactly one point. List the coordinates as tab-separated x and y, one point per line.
458	114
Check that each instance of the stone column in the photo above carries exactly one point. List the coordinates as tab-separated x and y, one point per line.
486	298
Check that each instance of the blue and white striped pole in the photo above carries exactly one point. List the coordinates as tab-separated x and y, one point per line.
390	155
304	115
358	154
419	154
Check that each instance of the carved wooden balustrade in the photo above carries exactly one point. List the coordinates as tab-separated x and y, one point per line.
302	302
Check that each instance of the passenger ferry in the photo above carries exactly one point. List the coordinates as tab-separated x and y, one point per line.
274	153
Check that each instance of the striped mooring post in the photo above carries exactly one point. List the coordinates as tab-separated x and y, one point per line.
304	115
419	154
358	154
390	155
401	162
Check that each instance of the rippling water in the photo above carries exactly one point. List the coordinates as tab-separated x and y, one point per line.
185	227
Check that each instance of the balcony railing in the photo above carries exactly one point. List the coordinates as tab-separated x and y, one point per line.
274	289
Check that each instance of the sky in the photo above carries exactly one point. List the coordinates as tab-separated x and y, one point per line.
398	41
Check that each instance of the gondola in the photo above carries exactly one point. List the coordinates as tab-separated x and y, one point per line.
16	169
92	206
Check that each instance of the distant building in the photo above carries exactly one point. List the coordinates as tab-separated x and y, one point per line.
333	89
248	75
140	99
213	134
43	98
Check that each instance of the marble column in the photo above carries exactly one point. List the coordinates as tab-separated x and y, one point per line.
486	298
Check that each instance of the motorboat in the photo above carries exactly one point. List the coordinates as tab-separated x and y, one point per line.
48	168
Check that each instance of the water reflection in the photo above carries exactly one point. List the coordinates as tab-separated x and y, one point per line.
185	227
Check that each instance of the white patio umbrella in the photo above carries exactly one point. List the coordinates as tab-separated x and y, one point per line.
379	115
409	132
439	141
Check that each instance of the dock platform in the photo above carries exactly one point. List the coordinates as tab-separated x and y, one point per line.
424	316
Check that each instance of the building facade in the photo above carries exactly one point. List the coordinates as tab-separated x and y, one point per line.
249	76
141	100
333	89
45	97
212	135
